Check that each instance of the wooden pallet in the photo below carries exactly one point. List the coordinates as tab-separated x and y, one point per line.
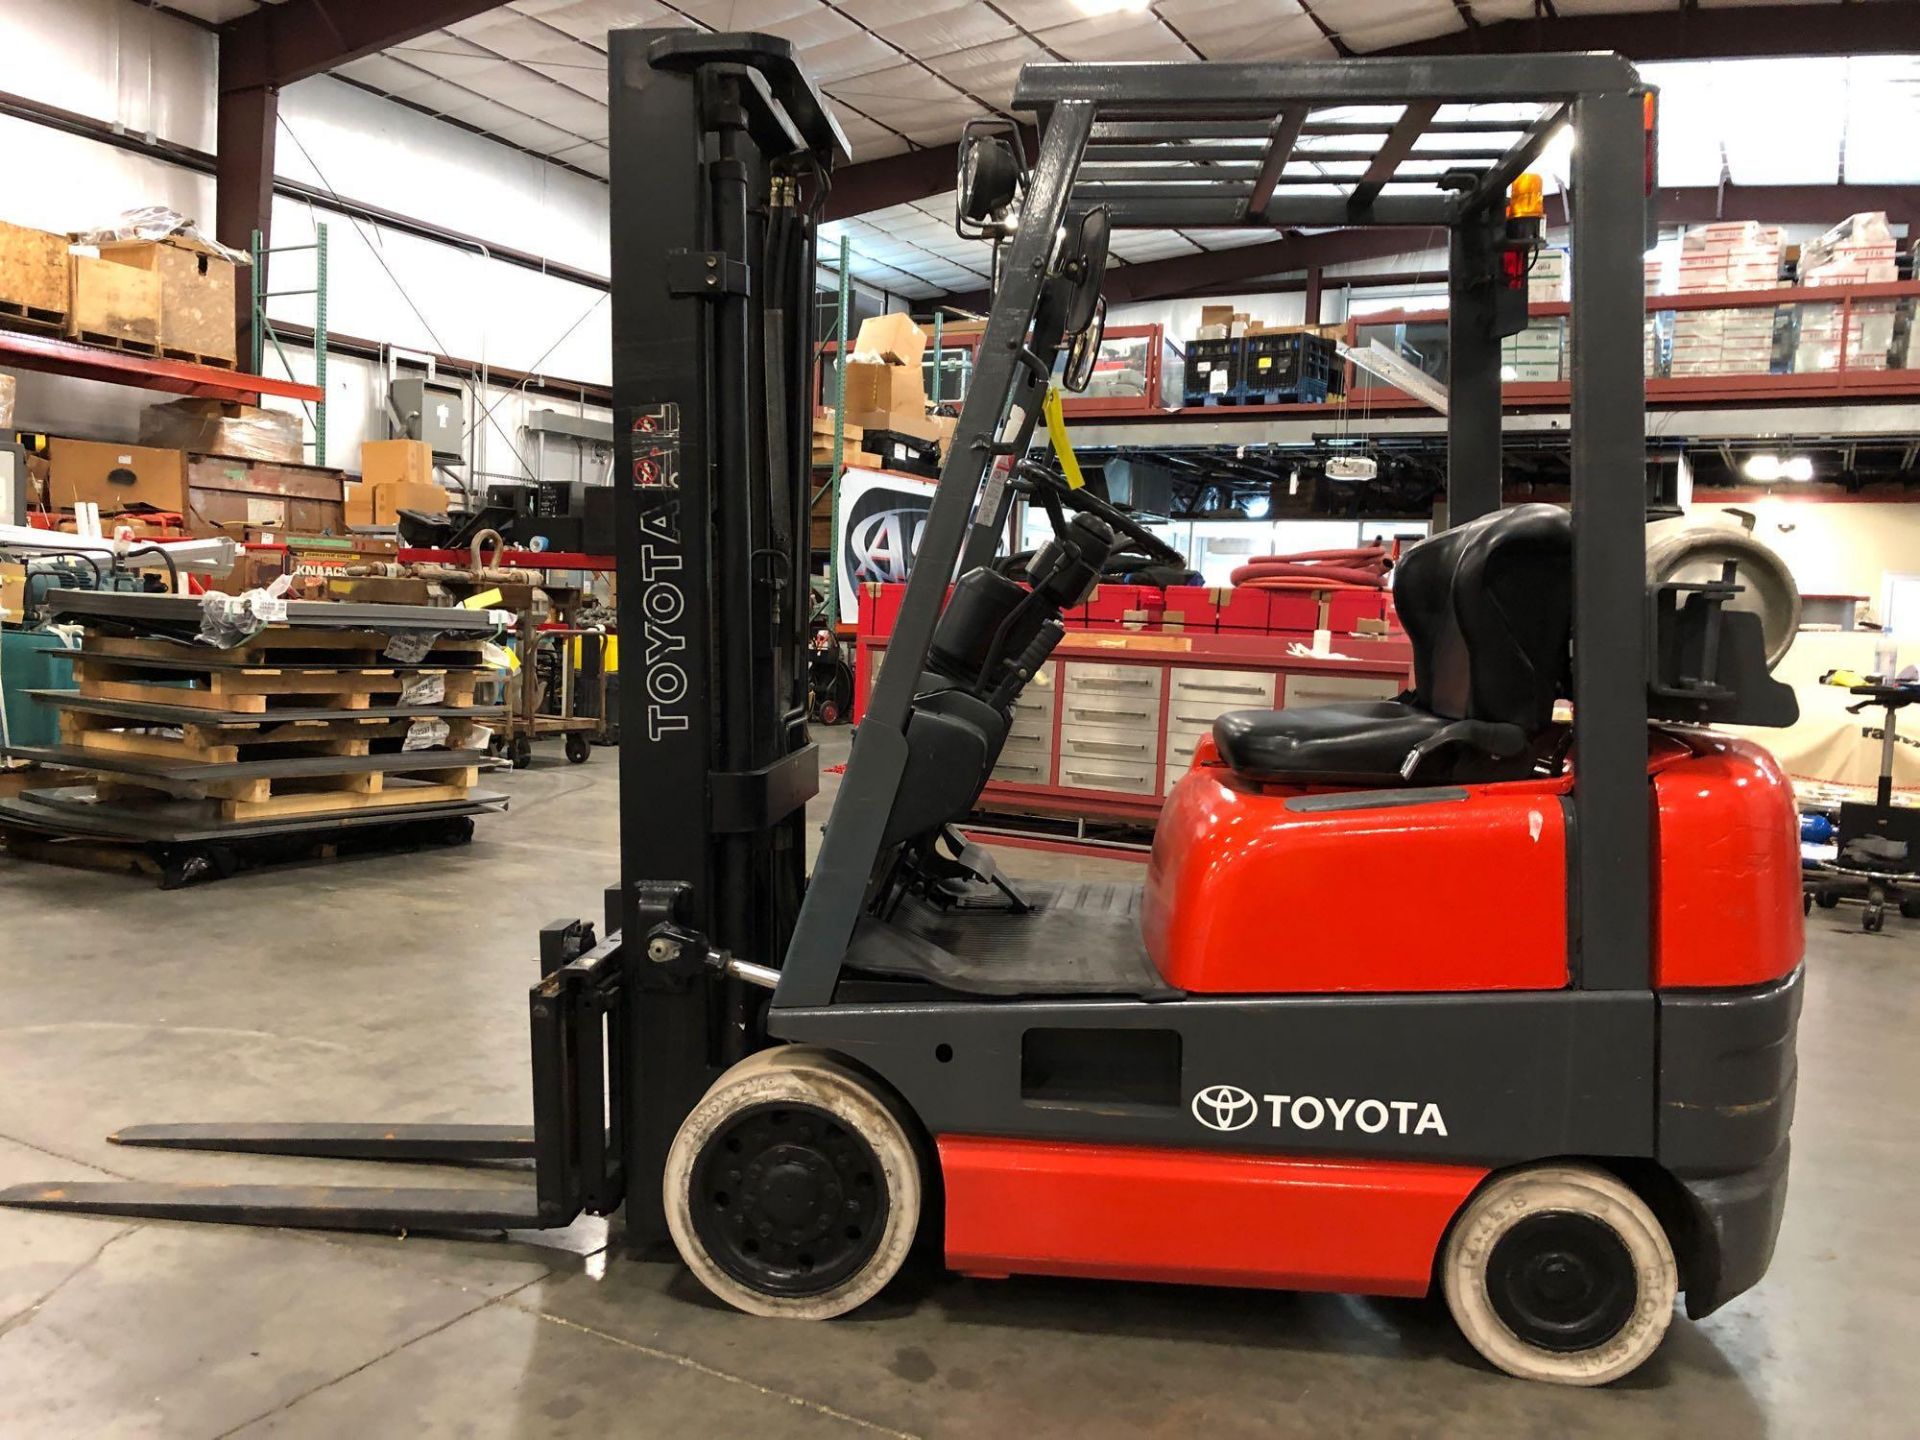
227	744
16	316
217	362
278	799
257	690
148	348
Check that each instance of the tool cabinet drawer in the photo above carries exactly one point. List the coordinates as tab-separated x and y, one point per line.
1180	750
1190	718
1135	778
1027	727
1222	689
1108	742
1089	677
1040	694
1024	763
1119	711
1303	690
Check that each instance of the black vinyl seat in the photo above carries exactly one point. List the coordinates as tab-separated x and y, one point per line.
1488	608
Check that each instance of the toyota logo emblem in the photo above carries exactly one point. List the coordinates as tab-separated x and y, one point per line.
1225	1107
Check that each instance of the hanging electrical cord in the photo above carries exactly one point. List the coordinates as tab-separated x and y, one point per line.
347	210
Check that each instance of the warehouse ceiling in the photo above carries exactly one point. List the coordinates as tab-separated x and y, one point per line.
904	75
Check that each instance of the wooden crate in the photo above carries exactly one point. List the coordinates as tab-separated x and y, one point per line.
33	278
114	305
197	298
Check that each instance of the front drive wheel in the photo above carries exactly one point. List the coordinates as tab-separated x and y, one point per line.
793	1188
1560	1273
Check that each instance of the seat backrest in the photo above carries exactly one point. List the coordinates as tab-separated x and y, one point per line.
1488	608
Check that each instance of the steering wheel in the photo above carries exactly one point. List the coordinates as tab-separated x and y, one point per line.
1038	483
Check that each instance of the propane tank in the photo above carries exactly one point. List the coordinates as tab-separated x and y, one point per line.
1692	548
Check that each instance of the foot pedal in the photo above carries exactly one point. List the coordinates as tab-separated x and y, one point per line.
1001	893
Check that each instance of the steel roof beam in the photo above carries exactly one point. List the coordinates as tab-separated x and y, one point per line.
279	44
1690	33
1281	139
1400	141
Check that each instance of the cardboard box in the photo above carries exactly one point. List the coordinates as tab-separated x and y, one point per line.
115	476
894	338
823	439
197	317
379	502
877	393
920	426
13	592
113	304
224	427
406	461
33	275
944	424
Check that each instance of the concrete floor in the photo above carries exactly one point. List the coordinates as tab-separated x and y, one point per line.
393	988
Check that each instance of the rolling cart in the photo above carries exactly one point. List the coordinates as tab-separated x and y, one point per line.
527	719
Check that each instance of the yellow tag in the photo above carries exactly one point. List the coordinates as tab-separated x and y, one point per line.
1057	432
485	600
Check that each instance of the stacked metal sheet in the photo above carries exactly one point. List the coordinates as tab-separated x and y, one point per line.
328	712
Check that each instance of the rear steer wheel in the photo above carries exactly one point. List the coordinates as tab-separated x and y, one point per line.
793	1189
1827	899
1873	917
1560	1273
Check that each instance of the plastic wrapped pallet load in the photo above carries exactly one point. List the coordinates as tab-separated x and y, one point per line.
1857	251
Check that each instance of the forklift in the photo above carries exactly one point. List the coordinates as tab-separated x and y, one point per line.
1553	1077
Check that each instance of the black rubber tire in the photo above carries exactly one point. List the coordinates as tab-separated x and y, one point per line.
1561	1190
578	747
1873	917
827	712
806	1079
1806	904
520	752
1827	899
1910	907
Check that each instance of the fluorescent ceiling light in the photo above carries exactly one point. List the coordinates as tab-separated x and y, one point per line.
1767	467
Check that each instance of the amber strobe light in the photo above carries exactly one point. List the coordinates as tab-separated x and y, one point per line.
1525	198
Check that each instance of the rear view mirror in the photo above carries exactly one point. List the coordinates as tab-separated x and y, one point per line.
1086	266
1084	352
991	175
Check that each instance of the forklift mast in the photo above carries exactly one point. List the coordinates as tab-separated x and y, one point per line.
725	148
